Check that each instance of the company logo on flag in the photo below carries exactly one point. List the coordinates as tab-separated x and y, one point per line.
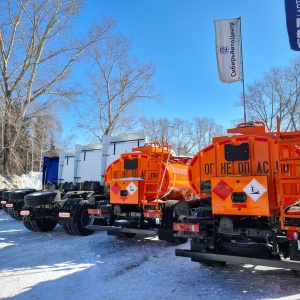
228	49
292	13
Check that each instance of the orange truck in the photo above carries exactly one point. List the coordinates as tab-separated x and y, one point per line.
248	182
146	190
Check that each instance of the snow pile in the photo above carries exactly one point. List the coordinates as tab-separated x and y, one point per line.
31	180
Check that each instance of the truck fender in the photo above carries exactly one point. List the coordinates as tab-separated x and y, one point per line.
72	205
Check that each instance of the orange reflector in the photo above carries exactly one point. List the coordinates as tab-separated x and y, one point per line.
186	227
9	205
64	215
152	214
92	211
24	212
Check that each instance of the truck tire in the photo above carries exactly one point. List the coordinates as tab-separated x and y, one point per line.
67	228
19	194
244	248
41	198
13	214
81	221
28	225
43	225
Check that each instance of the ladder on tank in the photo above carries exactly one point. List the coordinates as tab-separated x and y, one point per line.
154	176
288	180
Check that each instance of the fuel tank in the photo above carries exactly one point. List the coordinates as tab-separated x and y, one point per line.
148	173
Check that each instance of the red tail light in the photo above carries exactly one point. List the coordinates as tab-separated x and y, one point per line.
92	211
293	235
188	227
24	212
64	215
152	214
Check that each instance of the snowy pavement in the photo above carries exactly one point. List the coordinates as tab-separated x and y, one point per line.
57	266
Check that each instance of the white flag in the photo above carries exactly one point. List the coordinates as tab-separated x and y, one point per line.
228	49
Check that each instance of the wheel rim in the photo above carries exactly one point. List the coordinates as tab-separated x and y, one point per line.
86	220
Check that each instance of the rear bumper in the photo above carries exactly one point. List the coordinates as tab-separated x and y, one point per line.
116	230
203	256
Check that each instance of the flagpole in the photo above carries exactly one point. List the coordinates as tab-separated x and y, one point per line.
242	66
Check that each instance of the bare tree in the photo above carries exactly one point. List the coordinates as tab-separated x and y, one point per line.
120	83
186	137
182	140
277	94
37	51
159	130
204	129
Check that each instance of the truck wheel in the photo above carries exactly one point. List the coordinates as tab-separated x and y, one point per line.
82	220
180	240
13	214
43	225
244	248
41	198
19	194
67	228
28	225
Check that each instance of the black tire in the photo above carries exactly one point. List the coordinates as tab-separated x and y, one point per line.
19	194
5	194
13	214
41	198
43	225
180	240
67	228
28	225
81	221
244	248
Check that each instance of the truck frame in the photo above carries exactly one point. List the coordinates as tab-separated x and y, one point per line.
78	186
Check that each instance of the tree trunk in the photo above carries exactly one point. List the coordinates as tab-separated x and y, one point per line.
6	142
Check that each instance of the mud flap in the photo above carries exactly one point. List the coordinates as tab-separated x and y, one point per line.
165	231
295	250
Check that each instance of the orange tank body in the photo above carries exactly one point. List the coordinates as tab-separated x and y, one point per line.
147	174
239	172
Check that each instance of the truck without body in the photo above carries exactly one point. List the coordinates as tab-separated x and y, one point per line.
73	183
249	185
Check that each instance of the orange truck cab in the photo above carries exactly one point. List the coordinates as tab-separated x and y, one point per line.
146	188
249	185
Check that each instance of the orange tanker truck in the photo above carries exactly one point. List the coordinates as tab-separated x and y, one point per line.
249	185
146	190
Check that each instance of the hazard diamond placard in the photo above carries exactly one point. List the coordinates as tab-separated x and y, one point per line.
222	190
254	189
131	188
115	188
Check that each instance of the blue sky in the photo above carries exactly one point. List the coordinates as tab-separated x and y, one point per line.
178	36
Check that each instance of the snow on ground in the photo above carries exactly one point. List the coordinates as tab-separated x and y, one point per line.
30	180
56	265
